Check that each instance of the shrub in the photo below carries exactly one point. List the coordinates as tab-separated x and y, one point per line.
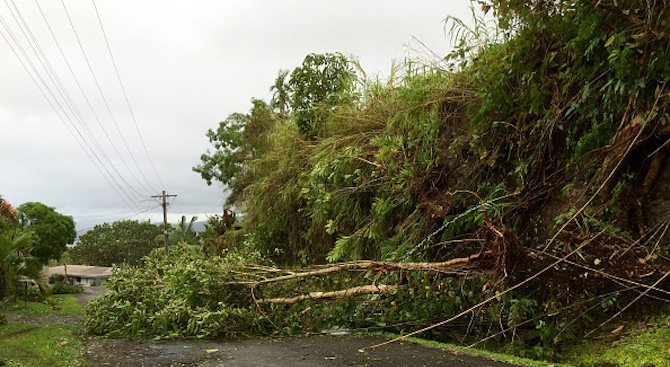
65	288
60	285
34	294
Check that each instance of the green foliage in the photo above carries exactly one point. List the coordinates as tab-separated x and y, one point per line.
187	294
60	285
238	139
53	230
320	83
442	163
184	232
122	242
180	294
16	260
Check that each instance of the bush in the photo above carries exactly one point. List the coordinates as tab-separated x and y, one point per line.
60	285
34	294
57	278
65	288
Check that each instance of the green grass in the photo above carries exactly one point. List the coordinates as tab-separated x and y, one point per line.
644	345
28	345
480	353
65	304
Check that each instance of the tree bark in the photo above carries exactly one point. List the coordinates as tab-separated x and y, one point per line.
453	264
342	294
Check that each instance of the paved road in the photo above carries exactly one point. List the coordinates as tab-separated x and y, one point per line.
312	351
89	294
319	351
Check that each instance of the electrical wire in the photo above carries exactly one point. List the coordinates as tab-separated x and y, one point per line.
120	219
102	94
51	87
87	99
53	77
91	155
125	95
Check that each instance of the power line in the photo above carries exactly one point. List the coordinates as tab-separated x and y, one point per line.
117	188
60	88
125	95
88	145
99	87
88	102
124	218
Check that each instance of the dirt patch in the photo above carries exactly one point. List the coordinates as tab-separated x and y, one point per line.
18	332
44	319
323	350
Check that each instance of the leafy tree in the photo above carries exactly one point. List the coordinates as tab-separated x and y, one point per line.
238	139
322	80
116	243
53	230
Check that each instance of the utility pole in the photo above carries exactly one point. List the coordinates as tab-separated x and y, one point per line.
164	196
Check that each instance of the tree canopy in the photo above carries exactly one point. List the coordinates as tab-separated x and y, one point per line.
320	82
121	242
54	231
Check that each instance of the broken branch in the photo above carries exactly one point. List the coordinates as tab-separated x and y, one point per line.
346	293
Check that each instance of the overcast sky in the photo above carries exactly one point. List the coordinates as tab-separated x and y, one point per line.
185	65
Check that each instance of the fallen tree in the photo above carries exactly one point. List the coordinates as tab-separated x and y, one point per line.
453	266
333	295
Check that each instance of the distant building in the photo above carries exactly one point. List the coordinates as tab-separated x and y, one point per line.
82	274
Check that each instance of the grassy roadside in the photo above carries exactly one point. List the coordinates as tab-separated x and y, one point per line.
32	345
59	305
640	344
500	357
38	344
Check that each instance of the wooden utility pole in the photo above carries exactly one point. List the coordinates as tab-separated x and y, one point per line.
164	196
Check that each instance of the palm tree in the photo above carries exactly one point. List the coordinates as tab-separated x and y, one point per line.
15	245
185	232
280	96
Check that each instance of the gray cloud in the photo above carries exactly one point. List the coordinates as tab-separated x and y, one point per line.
186	65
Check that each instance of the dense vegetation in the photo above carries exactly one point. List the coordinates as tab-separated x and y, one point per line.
534	152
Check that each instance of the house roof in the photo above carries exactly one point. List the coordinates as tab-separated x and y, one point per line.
84	271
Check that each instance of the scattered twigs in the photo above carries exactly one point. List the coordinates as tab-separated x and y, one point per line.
642	294
487	300
342	294
612	276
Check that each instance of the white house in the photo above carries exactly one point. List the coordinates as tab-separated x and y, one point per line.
82	274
